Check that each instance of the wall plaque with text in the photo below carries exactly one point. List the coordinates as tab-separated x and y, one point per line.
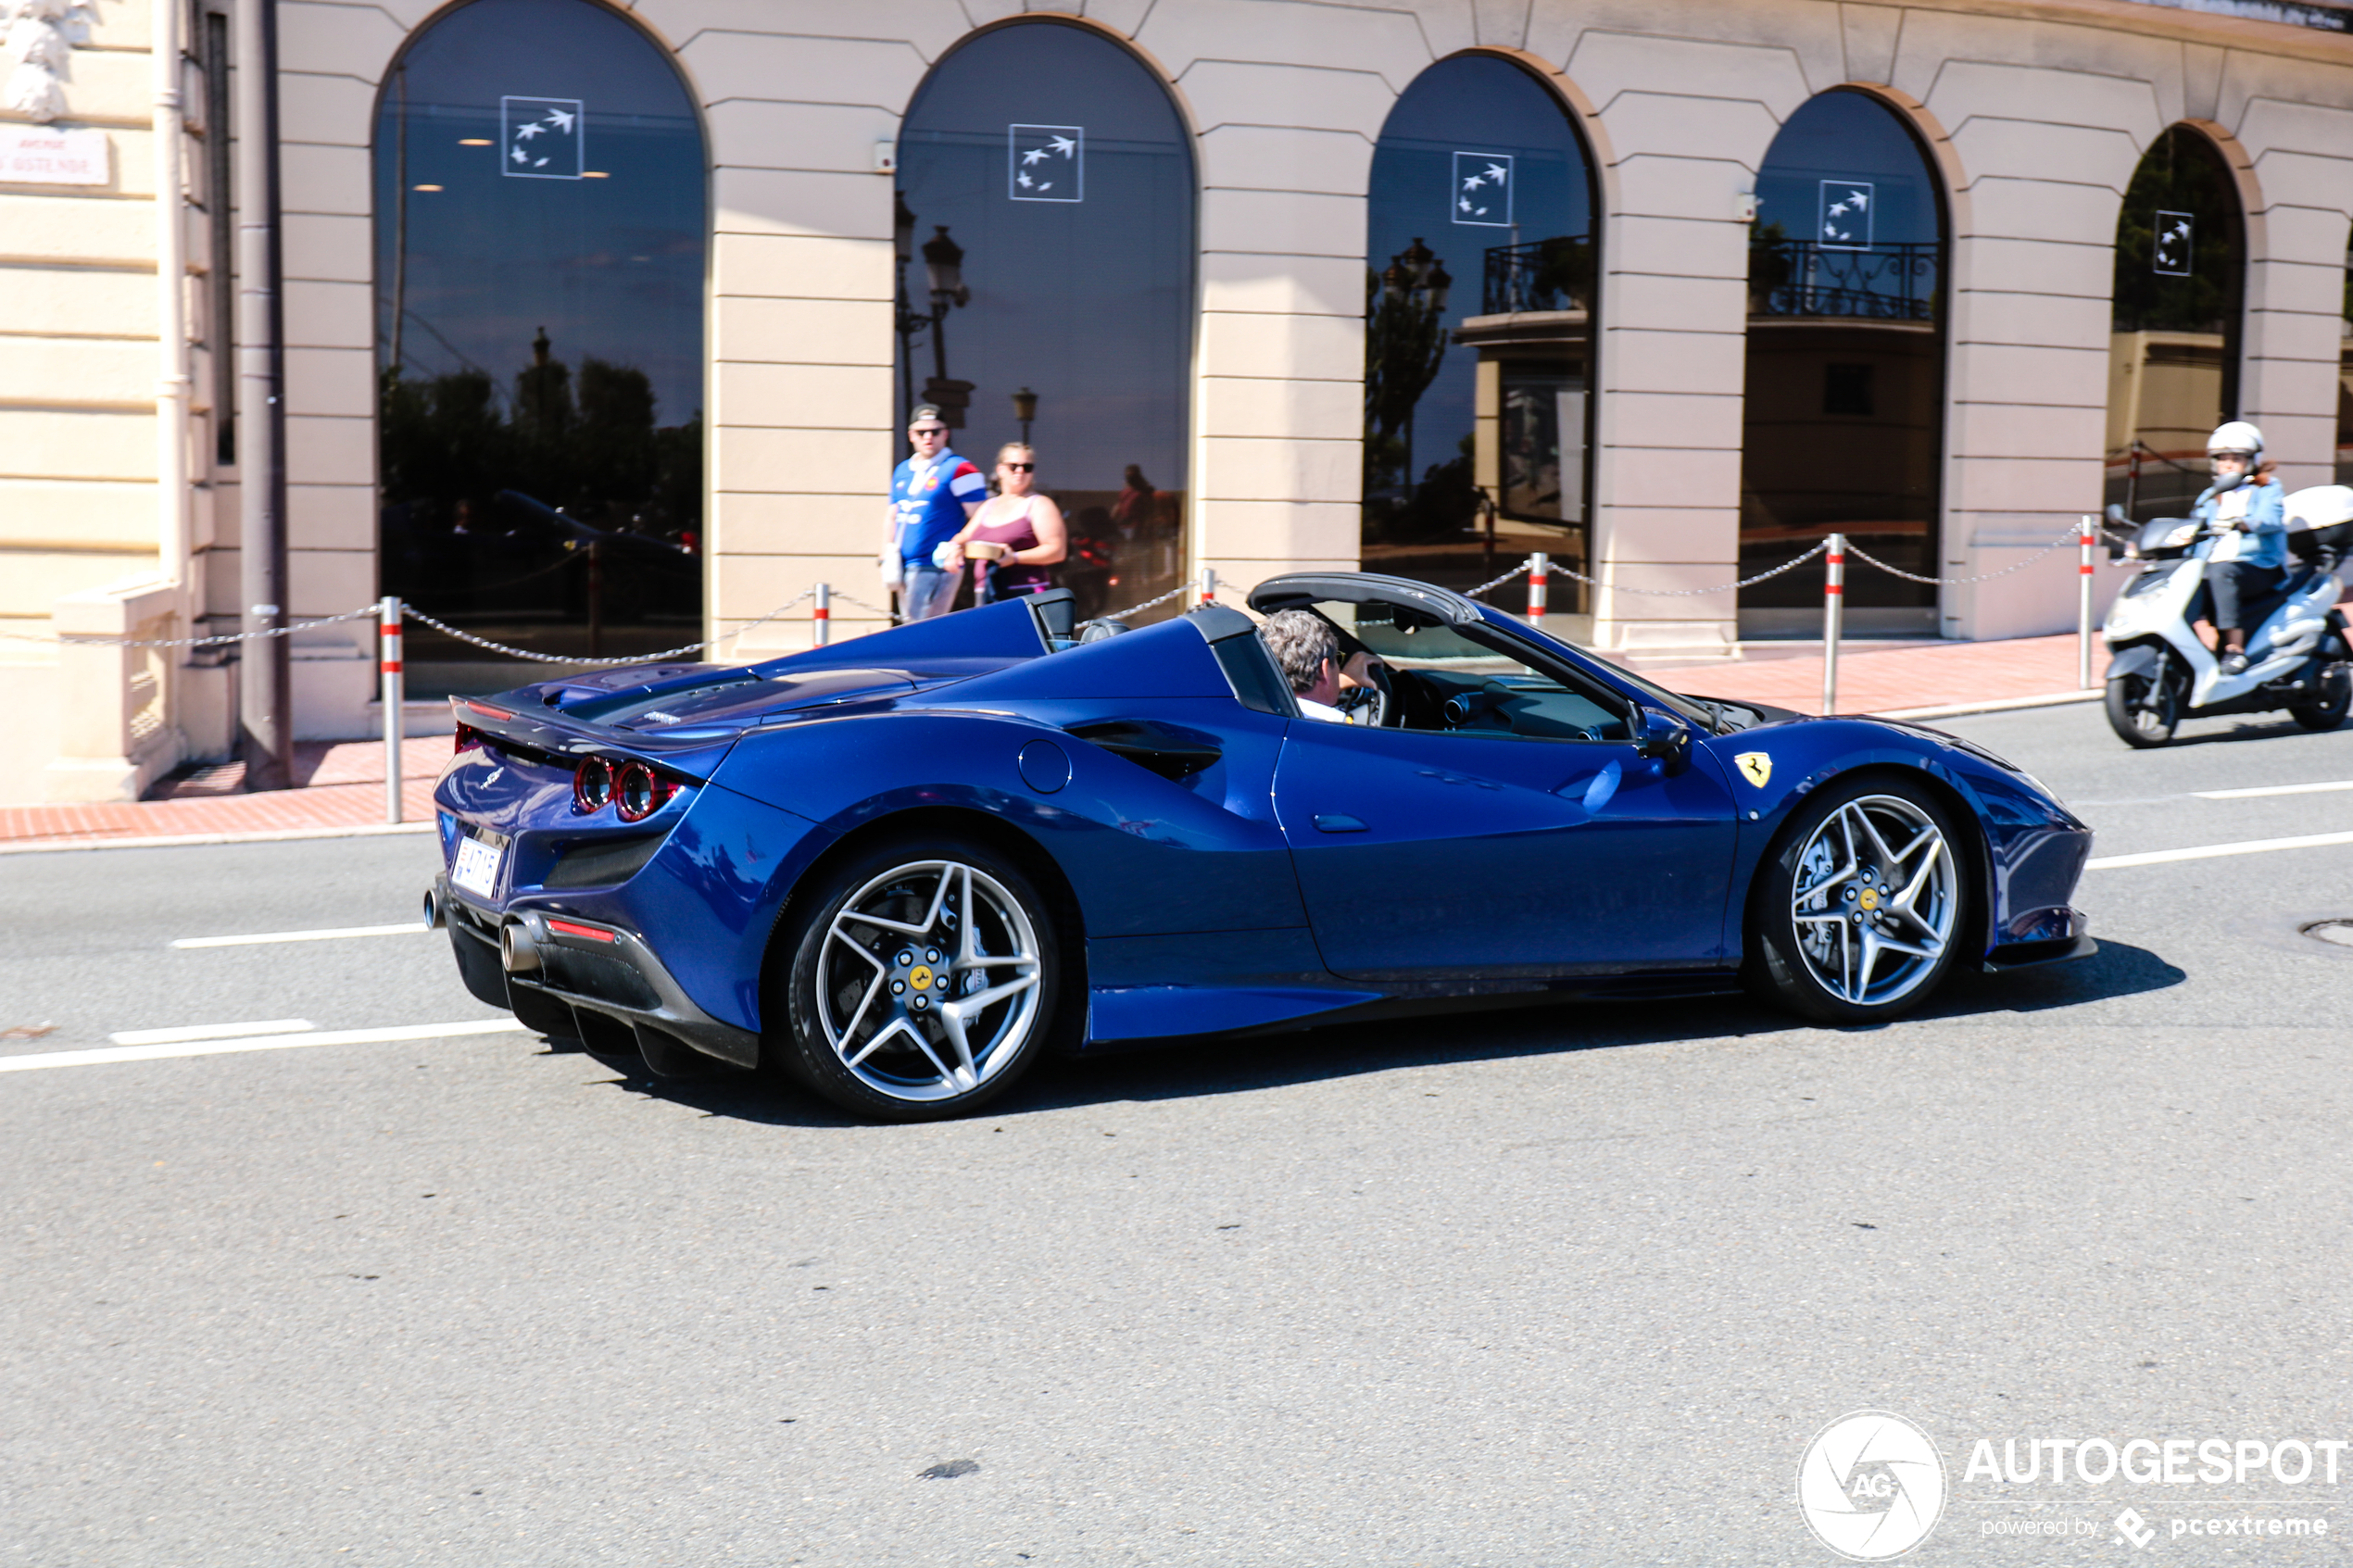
34	155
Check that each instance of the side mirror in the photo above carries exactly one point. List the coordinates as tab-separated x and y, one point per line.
1663	736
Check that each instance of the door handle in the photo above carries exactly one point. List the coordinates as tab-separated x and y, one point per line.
1335	822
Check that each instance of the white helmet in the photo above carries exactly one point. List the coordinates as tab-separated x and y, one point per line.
2235	436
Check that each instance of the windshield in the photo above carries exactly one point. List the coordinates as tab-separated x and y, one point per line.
1469	678
1707	715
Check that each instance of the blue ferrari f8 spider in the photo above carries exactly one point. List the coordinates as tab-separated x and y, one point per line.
902	868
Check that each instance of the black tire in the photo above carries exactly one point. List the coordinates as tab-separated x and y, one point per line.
871	1015
2144	709
1791	958
2327	710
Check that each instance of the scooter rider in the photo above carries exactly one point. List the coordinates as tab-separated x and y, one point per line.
2242	509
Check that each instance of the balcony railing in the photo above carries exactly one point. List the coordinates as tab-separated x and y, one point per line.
1894	282
1554	275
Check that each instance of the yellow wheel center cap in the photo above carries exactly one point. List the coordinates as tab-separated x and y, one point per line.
1869	901
921	977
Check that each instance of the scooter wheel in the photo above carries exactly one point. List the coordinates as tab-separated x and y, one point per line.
2327	710
2145	710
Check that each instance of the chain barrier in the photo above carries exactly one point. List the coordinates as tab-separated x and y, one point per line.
891	616
1179	592
96	640
2073	536
1519	571
414	613
1693	593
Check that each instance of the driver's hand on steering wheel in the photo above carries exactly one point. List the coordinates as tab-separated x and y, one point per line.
1359	672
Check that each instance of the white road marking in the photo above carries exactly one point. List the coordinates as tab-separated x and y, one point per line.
260	1043
176	840
330	934
2272	789
2214	851
212	1032
1993	705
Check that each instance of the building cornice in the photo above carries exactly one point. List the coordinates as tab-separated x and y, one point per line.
2246	34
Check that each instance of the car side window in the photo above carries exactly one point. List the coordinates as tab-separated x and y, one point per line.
1454	680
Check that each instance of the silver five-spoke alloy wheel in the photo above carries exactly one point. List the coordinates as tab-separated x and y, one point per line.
1874	900
928	983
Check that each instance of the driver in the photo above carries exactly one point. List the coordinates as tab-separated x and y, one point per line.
2242	508
1306	648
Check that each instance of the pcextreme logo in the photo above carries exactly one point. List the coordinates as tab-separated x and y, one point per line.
1871	1485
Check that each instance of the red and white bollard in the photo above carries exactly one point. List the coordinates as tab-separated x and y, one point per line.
1539	577
821	616
2083	612
1833	605
395	692
1208	586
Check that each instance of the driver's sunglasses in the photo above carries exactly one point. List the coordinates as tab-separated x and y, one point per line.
1019	468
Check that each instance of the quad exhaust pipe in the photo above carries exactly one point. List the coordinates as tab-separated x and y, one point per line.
518	950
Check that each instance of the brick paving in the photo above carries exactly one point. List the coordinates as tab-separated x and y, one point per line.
342	784
1894	680
342	789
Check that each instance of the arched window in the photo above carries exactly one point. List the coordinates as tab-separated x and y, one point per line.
1842	429
1046	264
2174	349
1479	274
541	225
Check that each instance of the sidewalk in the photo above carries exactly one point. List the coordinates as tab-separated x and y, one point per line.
342	792
1914	680
342	789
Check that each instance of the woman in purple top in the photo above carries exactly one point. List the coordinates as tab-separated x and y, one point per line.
1015	535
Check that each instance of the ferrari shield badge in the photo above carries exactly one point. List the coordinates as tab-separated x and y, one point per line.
1756	767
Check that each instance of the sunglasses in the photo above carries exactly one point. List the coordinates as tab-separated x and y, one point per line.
1019	468
927	430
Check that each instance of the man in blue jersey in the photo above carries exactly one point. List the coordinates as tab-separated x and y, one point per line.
933	495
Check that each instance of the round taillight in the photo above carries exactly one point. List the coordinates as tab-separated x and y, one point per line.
639	792
592	784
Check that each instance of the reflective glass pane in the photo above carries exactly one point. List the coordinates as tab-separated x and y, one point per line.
1053	165
1842	425
2174	344
540	223
1479	295
2344	383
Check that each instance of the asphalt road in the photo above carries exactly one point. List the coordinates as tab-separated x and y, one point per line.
1557	1286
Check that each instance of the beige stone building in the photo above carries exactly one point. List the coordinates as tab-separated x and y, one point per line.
770	438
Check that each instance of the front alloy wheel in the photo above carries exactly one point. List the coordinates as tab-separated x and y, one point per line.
923	982
2144	709
1855	918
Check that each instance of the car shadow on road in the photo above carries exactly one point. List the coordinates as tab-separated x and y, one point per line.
2119	968
1194	1067
2240	730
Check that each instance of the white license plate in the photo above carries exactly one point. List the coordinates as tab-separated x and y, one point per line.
477	867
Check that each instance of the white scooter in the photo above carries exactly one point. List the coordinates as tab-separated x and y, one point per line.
2298	657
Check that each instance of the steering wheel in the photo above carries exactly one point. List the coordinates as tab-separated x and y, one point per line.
1377	704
